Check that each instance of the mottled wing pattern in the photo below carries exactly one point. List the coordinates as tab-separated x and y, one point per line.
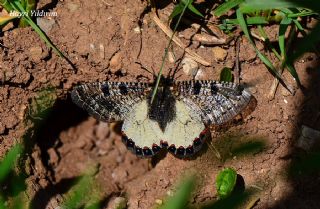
217	102
109	101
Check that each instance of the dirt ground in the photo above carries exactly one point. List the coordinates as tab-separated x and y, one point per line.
105	40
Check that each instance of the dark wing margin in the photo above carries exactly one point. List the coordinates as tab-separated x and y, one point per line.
109	101
217	102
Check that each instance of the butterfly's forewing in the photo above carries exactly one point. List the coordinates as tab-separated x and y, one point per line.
109	101
217	102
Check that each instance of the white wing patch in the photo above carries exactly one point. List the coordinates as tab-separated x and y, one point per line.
146	133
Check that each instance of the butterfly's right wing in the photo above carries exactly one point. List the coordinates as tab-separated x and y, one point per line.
109	101
216	102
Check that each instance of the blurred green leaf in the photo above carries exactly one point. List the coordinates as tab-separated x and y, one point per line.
257	20
9	160
6	5
226	74
225	7
225	182
250	6
176	11
194	10
80	193
182	196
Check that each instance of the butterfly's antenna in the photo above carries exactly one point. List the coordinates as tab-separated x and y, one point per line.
146	69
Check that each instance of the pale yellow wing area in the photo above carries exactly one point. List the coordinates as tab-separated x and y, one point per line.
144	132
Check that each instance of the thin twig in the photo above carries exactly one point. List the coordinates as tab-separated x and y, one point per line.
176	40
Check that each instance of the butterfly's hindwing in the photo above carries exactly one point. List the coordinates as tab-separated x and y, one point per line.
109	101
182	136
217	102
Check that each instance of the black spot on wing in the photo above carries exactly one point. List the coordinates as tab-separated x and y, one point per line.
196	88
239	90
123	89
105	89
214	89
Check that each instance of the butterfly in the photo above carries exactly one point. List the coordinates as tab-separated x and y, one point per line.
178	118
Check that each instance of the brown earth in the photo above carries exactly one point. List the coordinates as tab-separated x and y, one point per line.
104	42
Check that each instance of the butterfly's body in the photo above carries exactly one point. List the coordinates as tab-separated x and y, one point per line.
177	119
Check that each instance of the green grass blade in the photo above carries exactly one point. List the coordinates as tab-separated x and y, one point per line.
6	5
302	14
254	5
293	72
267	42
179	8
181	197
284	24
225	7
176	11
194	10
8	162
263	58
17	6
258	20
166	52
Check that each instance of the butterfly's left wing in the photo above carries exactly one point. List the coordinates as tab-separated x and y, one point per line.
109	101
216	102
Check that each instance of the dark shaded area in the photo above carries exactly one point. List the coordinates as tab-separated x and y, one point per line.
47	125
250	147
63	115
304	168
233	201
43	196
51	5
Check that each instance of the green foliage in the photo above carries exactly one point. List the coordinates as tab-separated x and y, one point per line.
14	183
256	12
83	194
182	196
25	7
166	50
179	8
225	7
42	103
8	162
225	182
226	74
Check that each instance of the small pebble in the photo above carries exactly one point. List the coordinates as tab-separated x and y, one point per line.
219	53
36	53
189	66
308	138
115	62
45	24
